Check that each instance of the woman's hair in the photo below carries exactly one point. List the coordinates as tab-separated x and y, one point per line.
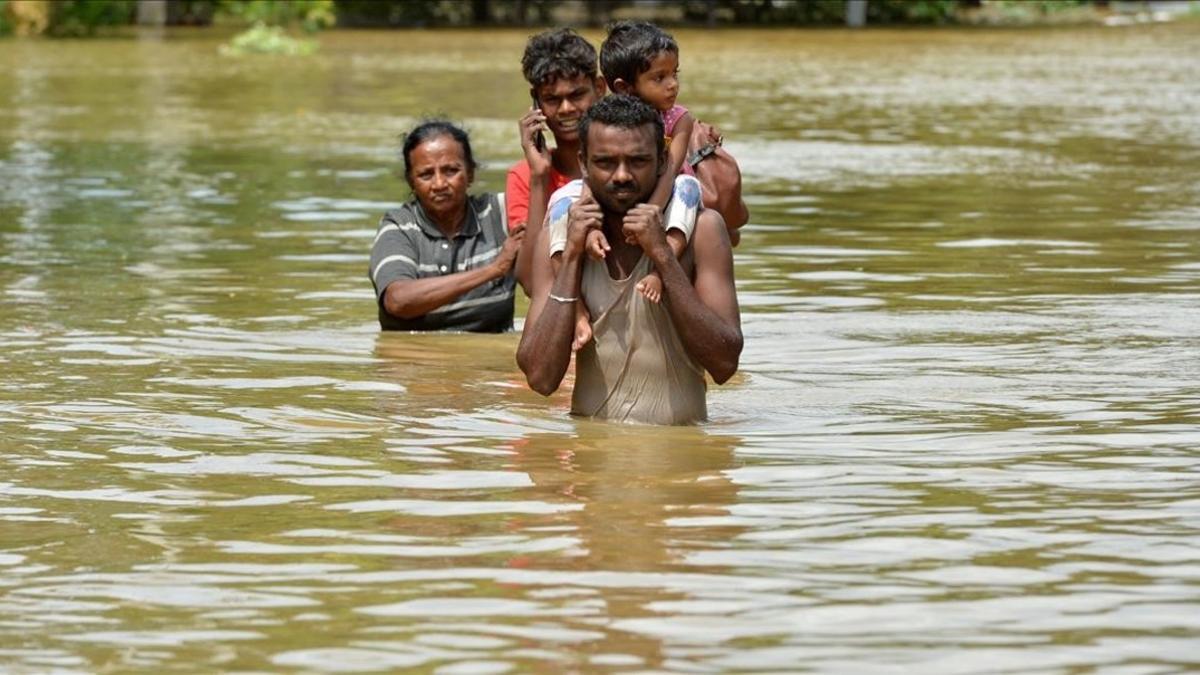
629	48
624	112
557	54
429	130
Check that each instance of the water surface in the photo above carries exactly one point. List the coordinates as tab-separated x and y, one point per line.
963	438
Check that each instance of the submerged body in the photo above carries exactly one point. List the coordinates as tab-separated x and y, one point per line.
635	369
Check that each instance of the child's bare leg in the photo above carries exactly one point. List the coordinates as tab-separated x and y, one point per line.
651	285
583	326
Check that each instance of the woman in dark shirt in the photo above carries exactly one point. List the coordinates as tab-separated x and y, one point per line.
444	260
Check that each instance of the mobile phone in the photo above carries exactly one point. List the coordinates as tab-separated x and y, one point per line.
539	140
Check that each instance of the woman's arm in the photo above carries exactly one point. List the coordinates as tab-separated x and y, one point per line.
412	298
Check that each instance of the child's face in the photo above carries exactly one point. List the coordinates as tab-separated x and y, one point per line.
659	85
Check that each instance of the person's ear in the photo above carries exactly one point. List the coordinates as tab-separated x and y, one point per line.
601	87
622	87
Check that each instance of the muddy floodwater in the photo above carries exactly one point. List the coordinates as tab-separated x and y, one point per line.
965	436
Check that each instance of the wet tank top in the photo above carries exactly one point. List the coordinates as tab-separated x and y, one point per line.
635	369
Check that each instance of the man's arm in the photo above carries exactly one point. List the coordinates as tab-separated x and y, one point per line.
704	310
412	298
545	350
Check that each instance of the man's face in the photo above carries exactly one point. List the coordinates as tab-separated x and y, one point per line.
564	101
622	166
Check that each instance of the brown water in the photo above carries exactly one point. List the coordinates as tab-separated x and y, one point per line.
964	437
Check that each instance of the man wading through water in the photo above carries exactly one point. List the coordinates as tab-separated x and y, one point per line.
646	361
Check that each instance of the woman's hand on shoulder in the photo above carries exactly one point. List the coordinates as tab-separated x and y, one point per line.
507	256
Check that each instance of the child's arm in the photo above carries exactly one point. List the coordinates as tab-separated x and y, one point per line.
676	155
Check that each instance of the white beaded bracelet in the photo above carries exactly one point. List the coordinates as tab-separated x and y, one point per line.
560	298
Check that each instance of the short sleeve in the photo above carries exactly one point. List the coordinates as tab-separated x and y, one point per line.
671	118
516	195
684	206
394	254
556	215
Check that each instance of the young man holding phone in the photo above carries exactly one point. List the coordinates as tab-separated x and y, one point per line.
560	67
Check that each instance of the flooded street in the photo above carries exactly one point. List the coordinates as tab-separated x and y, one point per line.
964	436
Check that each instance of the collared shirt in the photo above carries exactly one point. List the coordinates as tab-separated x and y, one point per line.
409	246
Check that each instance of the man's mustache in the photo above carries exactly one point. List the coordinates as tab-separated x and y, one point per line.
621	186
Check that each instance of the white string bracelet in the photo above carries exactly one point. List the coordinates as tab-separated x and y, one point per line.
560	298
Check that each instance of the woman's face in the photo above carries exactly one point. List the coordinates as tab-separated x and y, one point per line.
439	176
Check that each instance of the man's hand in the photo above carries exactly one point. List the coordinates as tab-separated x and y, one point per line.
643	227
528	126
583	216
504	260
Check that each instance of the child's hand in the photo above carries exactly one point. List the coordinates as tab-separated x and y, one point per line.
583	333
583	216
596	245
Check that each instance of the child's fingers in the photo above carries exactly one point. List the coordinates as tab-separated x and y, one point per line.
597	245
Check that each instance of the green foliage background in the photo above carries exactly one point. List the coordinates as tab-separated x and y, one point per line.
85	17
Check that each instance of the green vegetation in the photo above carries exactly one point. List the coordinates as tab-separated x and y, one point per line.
71	18
269	17
263	39
311	15
63	17
86	17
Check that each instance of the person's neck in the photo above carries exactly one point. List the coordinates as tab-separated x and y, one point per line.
565	159
449	223
622	256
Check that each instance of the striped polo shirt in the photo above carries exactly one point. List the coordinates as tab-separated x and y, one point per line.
409	246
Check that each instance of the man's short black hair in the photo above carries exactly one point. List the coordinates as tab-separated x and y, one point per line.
629	48
556	54
624	112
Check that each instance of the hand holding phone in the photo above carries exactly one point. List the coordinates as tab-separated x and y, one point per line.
539	139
